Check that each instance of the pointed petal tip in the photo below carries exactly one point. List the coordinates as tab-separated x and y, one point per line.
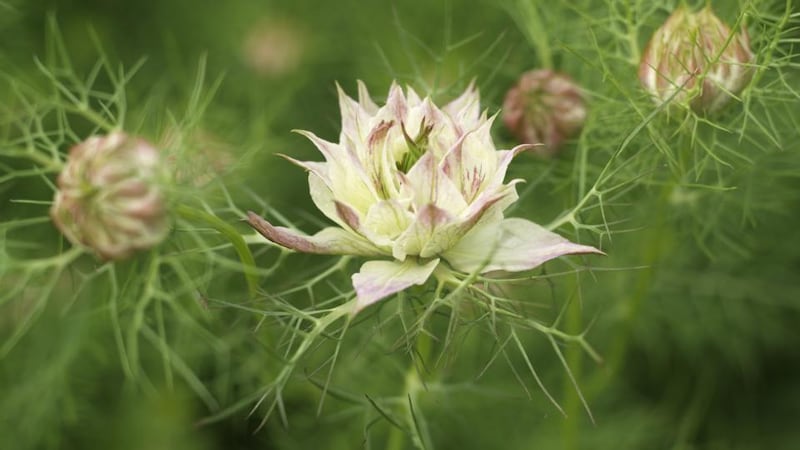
580	249
516	150
305	133
512	245
263	227
251	216
343	97
286	157
328	241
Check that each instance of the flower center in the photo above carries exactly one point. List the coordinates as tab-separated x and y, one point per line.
416	146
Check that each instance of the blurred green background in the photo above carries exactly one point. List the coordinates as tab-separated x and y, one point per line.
695	310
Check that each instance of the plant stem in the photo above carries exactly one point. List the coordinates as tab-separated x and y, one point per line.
573	354
660	237
245	256
412	387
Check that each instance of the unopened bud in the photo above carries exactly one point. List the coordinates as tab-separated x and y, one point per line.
695	54
544	107
109	196
274	48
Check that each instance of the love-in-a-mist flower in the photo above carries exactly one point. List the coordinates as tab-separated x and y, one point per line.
420	191
110	197
696	54
544	107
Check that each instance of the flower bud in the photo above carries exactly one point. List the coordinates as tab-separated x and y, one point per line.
544	107
109	198
694	53
274	48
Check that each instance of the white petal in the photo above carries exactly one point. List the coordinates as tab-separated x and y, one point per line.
365	100
396	106
435	231
330	150
321	169
424	237
512	245
504	158
329	241
380	279
346	178
412	96
465	110
386	220
426	183
322	196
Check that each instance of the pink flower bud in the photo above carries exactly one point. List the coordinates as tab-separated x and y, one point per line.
694	53
274	48
109	198
544	107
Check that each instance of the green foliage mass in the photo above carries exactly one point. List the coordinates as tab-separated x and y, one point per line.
685	336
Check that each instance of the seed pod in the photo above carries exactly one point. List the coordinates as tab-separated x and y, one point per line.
544	107
695	54
109	196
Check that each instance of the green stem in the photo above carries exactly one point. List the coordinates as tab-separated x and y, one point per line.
660	237
530	21
413	386
319	325
138	320
37	156
573	325
236	239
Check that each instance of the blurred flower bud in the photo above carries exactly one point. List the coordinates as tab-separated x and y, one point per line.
696	54
274	48
109	197
544	107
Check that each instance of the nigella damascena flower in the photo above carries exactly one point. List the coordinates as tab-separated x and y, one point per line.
544	107
109	196
420	190
696	54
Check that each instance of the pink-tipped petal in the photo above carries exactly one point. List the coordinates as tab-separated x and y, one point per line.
379	279
329	241
423	233
511	245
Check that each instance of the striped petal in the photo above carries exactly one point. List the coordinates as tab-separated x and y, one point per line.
511	245
329	241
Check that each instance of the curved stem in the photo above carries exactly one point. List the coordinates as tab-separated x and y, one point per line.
238	242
